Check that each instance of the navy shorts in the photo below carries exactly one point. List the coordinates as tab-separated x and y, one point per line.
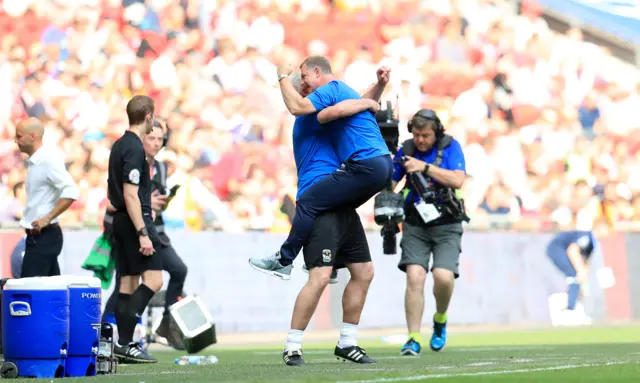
338	239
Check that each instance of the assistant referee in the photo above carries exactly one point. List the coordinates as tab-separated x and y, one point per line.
129	191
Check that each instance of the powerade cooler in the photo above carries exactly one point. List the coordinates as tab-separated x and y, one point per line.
84	321
35	328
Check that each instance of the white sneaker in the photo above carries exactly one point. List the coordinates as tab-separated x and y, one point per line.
574	318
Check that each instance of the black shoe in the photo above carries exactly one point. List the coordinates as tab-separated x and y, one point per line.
119	352
354	354
293	358
170	333
133	353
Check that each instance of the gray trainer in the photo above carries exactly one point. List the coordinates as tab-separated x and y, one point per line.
333	279
271	265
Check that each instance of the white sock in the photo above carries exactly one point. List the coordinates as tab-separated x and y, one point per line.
348	335
294	340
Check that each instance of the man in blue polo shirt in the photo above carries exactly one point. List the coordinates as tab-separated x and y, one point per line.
338	239
429	226
366	166
571	252
315	159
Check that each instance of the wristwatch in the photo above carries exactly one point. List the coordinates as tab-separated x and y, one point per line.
142	232
281	76
426	169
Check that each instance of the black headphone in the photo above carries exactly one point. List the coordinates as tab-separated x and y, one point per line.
165	136
430	115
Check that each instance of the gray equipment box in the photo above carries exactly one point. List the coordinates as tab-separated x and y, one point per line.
194	323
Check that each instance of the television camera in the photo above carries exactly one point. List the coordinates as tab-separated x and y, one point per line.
389	206
389	127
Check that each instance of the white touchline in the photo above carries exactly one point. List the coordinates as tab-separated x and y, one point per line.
480	364
505	348
157	373
480	373
279	352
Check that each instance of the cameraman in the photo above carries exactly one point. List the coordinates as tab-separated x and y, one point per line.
432	226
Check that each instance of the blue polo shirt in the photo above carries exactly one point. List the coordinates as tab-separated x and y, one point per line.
452	159
357	137
585	240
314	155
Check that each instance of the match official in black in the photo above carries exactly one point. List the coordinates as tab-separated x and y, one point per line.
129	192
171	261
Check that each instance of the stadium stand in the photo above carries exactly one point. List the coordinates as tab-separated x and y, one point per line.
548	121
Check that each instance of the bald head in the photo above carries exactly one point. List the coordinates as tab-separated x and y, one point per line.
29	134
31	125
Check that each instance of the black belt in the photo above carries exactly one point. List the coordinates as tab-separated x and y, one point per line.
144	214
38	231
108	218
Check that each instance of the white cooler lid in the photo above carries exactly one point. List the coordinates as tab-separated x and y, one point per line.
79	281
36	283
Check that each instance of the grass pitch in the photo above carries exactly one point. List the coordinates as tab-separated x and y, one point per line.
558	355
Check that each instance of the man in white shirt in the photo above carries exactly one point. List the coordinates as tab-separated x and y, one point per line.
50	192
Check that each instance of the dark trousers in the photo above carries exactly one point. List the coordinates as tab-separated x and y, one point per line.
560	259
173	264
41	253
352	185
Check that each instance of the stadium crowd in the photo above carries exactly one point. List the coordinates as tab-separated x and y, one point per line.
547	121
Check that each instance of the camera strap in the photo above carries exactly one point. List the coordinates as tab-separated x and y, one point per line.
409	148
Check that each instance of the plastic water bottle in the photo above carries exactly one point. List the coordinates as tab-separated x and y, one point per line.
196	360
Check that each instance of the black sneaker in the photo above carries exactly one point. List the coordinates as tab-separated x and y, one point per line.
133	353
169	331
119	352
293	358
354	354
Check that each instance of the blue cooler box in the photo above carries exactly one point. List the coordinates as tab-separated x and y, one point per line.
35	326
85	323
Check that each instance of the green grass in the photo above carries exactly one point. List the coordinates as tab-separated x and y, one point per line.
559	355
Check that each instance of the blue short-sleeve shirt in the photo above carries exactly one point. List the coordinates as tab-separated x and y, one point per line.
356	137
452	159
585	240
313	152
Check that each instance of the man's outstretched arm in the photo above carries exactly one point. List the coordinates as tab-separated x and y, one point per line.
375	92
347	108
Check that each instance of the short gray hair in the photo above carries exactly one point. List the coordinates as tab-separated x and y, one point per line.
296	81
317	62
